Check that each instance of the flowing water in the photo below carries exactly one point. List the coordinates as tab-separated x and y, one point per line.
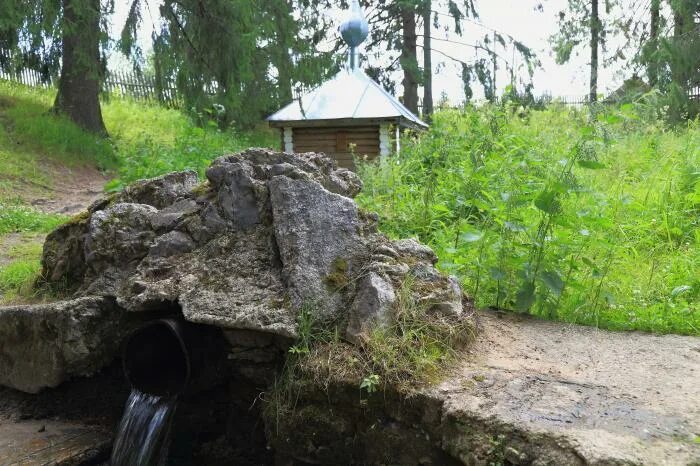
142	438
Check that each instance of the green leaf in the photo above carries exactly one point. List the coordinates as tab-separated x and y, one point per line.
547	202
114	185
497	274
552	279
525	297
680	290
471	236
591	164
587	131
512	226
613	118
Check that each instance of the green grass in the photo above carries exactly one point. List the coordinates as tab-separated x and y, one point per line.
16	218
411	353
595	222
19	267
17	280
145	140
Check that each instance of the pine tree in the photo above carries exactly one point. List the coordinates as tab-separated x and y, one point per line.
82	69
222	51
66	36
427	60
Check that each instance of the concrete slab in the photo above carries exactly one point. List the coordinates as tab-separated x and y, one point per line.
604	397
54	443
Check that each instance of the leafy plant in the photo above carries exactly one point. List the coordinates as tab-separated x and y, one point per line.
587	219
370	383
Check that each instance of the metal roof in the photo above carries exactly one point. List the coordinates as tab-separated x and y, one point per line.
349	95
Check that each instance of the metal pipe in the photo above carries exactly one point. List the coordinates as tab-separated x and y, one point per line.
156	358
353	57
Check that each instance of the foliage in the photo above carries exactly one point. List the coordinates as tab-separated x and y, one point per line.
36	130
146	140
257	36
386	48
403	356
415	347
547	212
666	42
193	148
18	218
19	267
17	280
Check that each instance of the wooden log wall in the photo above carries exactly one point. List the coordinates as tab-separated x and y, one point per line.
340	143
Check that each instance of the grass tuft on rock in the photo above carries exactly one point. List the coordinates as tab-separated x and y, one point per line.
404	357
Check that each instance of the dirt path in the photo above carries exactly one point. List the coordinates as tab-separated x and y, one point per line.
73	189
605	397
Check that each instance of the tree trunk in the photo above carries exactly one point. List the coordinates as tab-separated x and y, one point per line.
409	61
283	62
595	40
158	69
284	78
678	74
653	67
79	83
494	64
427	62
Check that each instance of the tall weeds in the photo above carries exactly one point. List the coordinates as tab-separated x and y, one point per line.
555	213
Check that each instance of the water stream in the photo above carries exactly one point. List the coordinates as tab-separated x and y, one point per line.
144	431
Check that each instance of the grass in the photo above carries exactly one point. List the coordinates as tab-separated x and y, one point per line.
16	217
145	140
593	221
19	267
410	353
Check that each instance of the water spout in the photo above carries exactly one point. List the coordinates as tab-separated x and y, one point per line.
156	358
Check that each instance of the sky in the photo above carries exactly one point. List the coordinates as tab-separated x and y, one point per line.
518	18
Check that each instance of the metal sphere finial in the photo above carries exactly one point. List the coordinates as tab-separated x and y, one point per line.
355	28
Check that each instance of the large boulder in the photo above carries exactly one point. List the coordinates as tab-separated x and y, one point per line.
264	235
46	344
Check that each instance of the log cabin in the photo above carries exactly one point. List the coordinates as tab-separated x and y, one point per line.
348	117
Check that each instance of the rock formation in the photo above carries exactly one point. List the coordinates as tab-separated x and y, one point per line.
263	235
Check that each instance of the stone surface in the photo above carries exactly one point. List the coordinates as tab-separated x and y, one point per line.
44	345
318	234
50	442
159	192
585	395
264	235
373	306
528	392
